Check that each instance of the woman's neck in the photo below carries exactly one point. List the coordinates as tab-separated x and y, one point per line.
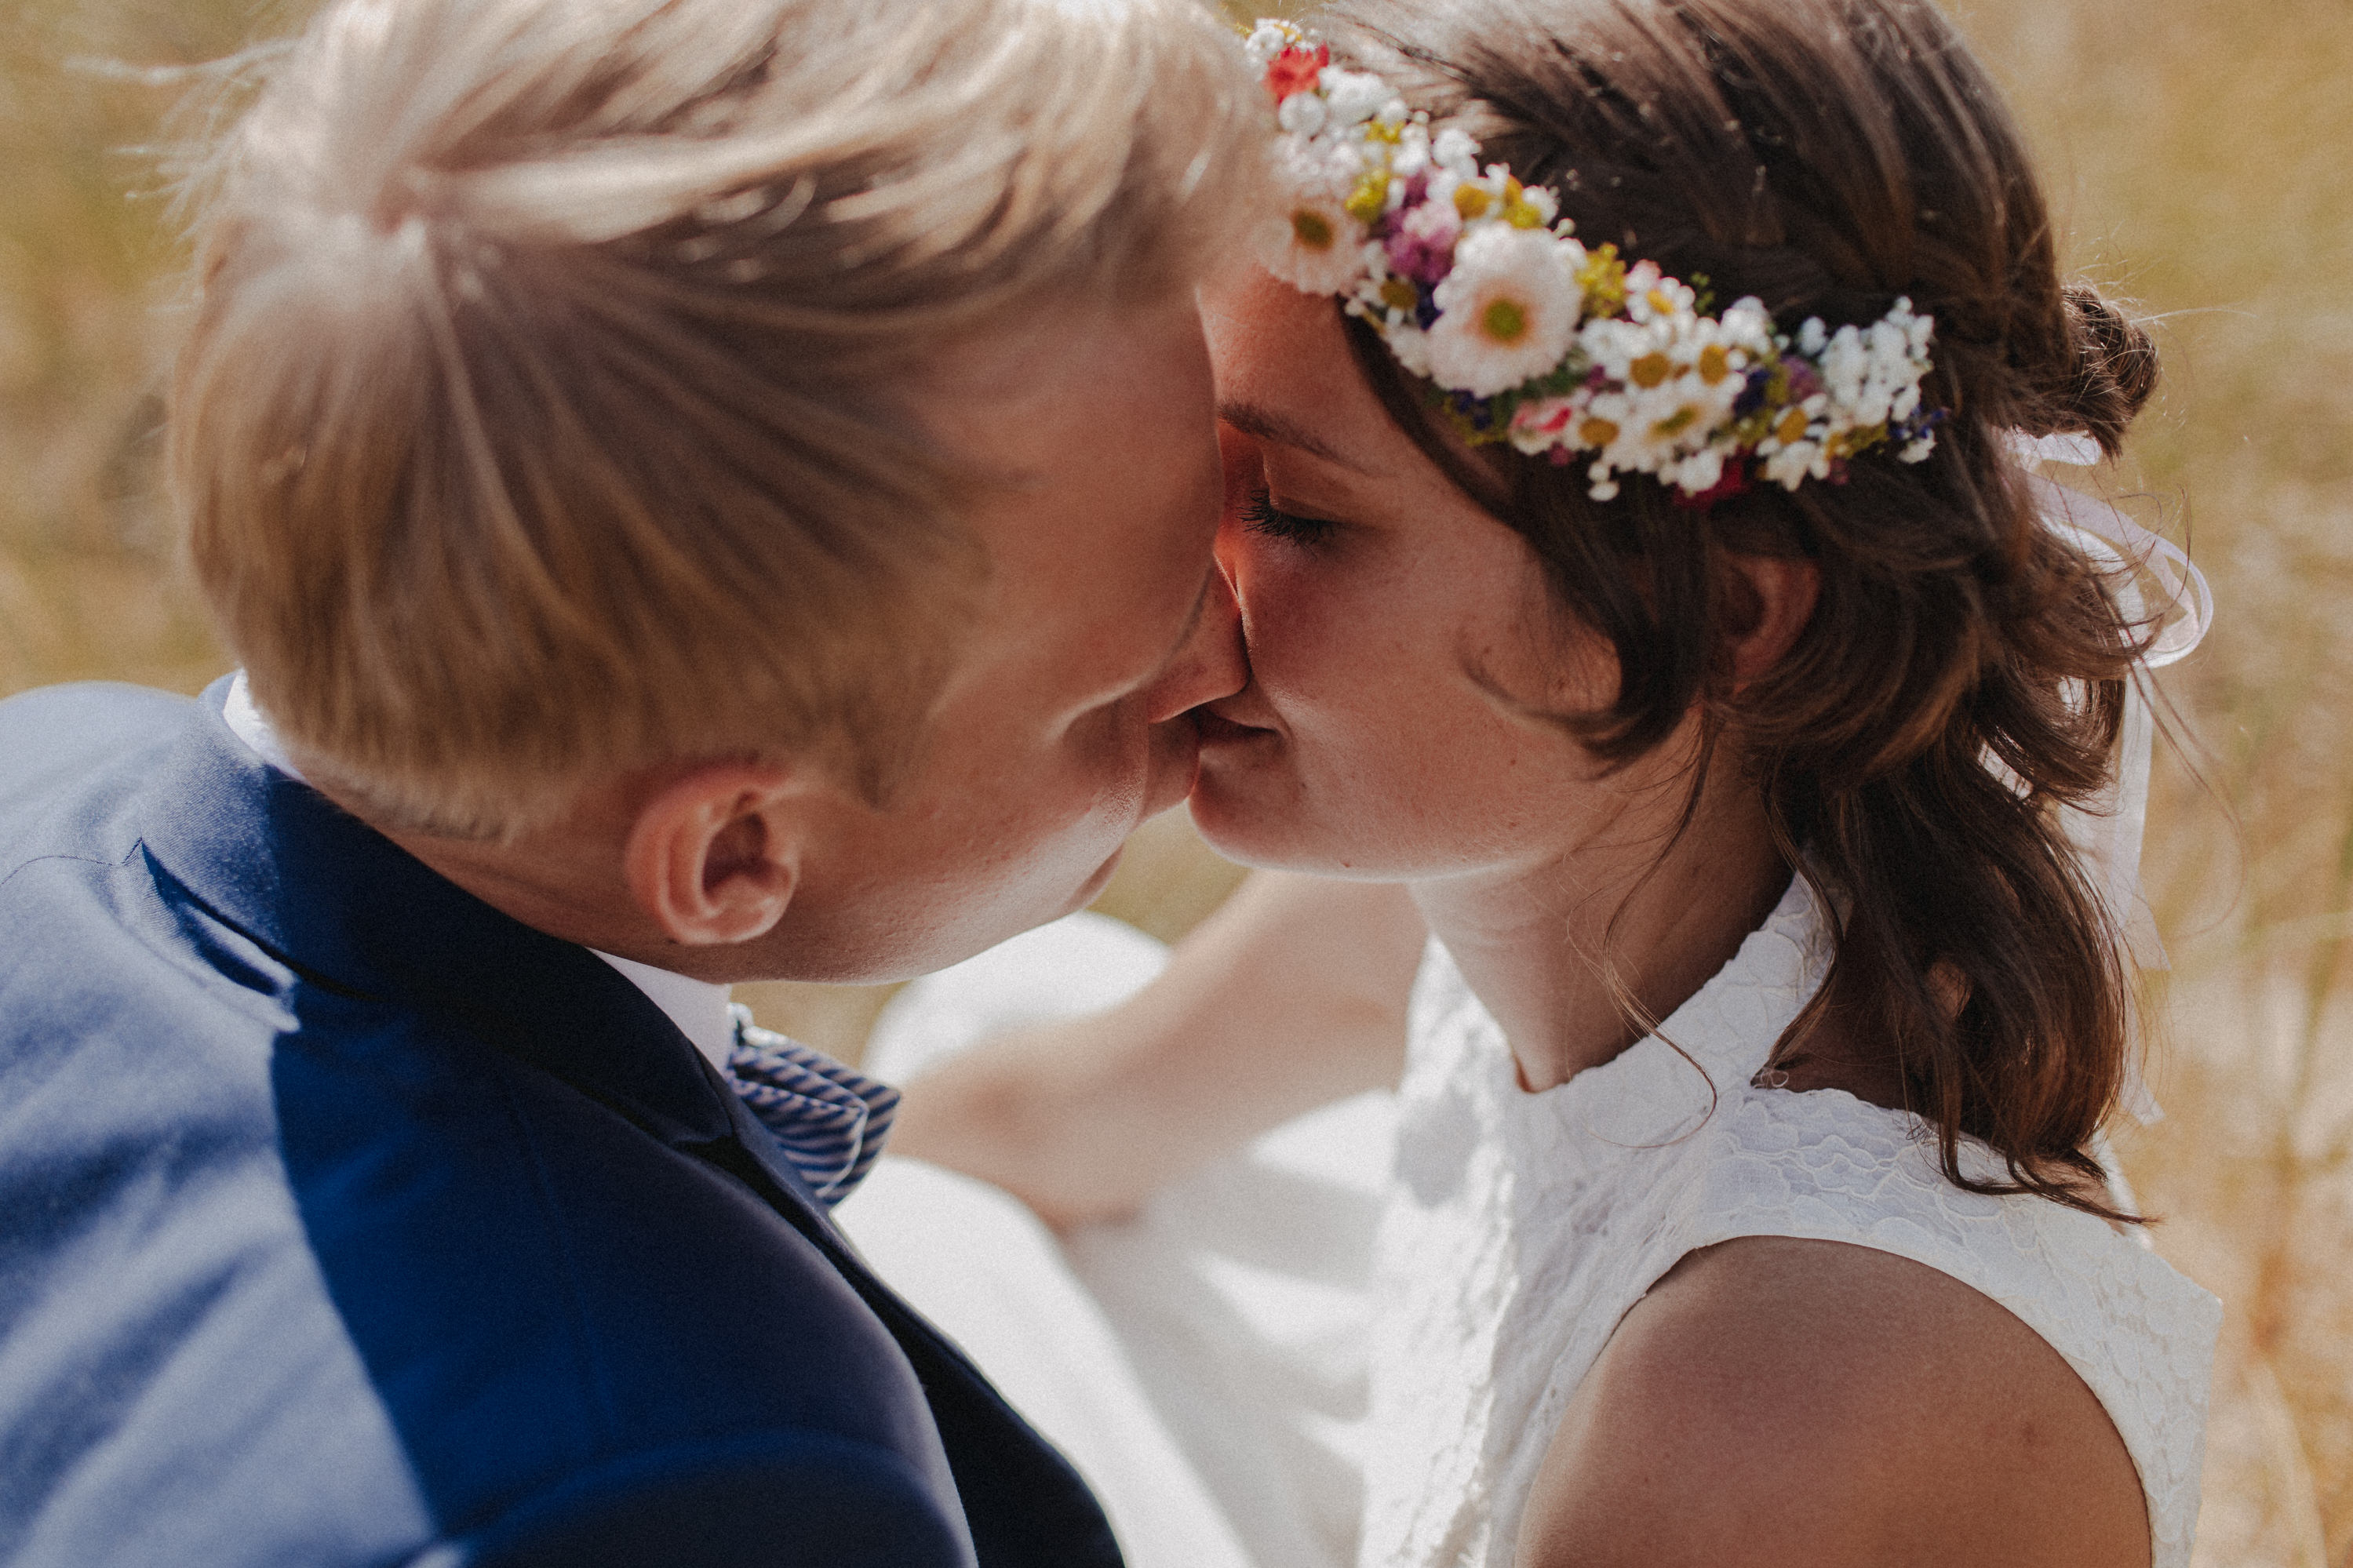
1536	942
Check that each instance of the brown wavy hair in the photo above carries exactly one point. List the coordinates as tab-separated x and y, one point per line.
1962	677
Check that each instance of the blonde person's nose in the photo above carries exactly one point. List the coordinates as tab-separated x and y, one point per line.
1211	664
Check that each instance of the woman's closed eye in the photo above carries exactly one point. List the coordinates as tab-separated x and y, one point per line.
1261	515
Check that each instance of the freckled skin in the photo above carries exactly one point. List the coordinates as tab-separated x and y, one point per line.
1363	744
1772	1402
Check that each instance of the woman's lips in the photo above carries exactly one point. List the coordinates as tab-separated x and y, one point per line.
1218	730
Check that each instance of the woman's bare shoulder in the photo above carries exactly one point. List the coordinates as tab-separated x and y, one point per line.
1775	1400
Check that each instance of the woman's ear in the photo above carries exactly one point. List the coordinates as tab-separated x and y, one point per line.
714	856
1768	600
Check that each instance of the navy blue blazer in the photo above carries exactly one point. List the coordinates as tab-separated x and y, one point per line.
344	1220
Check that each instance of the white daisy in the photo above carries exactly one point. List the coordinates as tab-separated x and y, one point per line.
1316	246
1410	346
1792	465
1697	474
1745	326
1507	312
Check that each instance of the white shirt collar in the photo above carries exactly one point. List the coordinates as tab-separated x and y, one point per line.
248	723
698	1007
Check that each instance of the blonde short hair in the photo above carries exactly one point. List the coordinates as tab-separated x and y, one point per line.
543	411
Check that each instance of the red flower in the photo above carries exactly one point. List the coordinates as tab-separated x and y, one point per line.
1295	70
1734	483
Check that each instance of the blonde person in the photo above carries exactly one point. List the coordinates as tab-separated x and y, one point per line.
1667	603
701	489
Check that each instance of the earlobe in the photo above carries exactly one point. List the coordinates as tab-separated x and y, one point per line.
713	858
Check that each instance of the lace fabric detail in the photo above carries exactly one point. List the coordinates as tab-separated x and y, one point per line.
1523	1226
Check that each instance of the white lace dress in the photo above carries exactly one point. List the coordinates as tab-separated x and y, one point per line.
1522	1227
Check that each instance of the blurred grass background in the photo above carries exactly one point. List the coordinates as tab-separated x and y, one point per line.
2196	151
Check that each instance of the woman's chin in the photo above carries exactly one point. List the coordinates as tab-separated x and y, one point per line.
1255	828
1249	806
1232	822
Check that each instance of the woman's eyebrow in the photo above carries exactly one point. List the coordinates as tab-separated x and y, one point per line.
1265	425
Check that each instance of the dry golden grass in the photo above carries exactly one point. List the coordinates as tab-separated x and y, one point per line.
2196	151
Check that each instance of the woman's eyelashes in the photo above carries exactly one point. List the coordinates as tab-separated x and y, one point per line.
1261	515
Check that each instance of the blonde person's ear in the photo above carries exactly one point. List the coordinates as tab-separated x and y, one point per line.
1771	600
714	856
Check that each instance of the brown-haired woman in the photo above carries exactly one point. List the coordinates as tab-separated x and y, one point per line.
1748	1203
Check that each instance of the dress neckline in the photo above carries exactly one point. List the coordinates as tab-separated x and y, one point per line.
1725	1030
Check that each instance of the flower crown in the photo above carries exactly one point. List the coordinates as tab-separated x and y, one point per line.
1534	339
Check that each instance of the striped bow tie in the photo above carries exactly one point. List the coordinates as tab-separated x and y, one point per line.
830	1120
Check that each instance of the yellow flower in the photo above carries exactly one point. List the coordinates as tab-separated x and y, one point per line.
1603	279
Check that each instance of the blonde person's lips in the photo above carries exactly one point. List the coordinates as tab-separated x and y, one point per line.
1174	780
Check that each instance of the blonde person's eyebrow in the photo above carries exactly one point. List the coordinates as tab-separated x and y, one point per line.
1265	425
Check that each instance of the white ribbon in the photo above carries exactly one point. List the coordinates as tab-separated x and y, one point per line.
2162	595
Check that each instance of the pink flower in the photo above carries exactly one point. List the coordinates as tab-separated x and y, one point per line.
1423	248
1546	416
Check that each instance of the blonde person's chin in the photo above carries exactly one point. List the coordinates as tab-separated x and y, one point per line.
1092	888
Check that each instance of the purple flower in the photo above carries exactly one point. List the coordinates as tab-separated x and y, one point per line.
1421	246
1752	395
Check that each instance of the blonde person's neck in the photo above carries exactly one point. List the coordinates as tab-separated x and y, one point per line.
698	1007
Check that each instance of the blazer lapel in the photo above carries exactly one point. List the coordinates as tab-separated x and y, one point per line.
347	909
